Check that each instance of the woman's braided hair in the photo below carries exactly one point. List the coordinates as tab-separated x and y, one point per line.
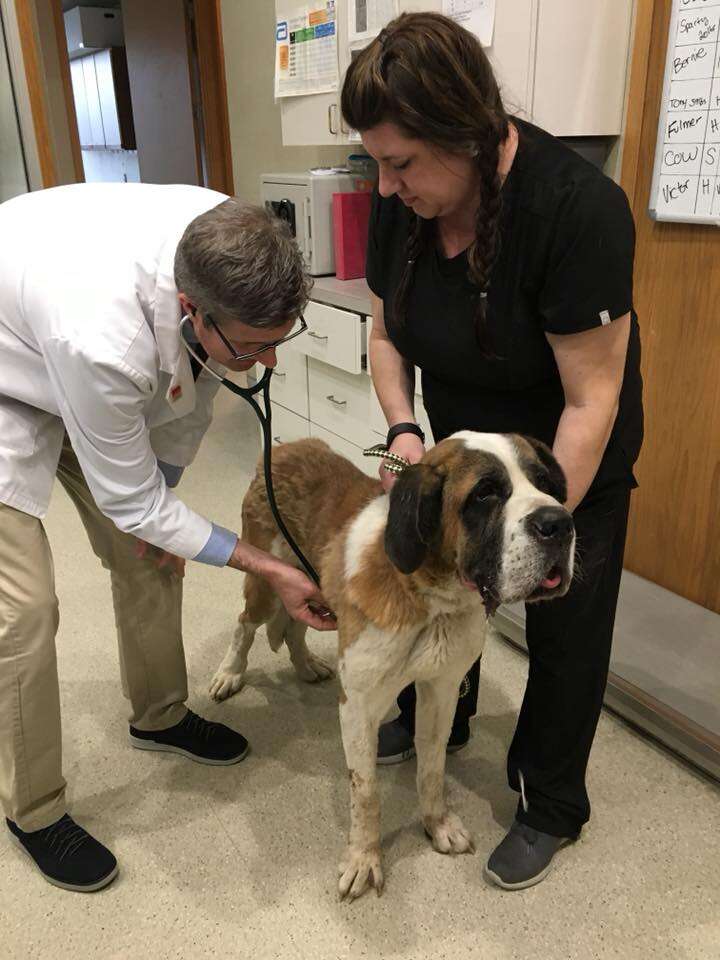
431	78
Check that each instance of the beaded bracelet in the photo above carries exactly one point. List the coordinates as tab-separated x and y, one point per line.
393	462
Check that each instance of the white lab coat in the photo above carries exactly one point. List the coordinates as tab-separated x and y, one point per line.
90	343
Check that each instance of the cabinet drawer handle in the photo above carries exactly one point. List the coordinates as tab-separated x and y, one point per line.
332	110
316	336
281	375
338	403
277	440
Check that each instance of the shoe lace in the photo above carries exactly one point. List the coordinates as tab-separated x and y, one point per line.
65	837
198	726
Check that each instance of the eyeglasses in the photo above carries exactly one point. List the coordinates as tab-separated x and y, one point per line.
263	349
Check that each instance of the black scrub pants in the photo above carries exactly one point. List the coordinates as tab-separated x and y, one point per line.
569	642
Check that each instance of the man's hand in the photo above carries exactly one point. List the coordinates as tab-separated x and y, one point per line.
161	558
405	445
300	597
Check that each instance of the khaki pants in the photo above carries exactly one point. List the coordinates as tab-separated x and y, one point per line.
148	604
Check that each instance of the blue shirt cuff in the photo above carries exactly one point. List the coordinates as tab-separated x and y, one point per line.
219	547
171	473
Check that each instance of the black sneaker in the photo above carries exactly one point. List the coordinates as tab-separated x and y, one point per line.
395	742
523	858
67	856
195	738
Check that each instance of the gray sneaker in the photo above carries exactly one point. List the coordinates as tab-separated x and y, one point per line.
396	744
523	858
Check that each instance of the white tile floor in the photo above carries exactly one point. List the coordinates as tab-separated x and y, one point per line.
241	861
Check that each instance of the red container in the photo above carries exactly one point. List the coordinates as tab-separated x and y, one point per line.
351	215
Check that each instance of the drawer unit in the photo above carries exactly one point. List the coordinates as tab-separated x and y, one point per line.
337	337
340	402
289	386
354	454
288	426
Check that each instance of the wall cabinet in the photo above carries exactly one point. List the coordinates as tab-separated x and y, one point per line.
102	100
560	63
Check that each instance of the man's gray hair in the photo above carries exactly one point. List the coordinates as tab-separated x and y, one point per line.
240	262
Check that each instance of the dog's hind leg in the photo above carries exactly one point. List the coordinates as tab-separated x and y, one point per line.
309	666
261	606
436	702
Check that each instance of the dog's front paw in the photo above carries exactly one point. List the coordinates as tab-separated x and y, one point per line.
359	870
224	684
448	834
313	668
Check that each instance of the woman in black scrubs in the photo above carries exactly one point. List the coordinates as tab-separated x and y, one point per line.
500	264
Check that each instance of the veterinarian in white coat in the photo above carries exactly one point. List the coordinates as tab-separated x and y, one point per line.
97	388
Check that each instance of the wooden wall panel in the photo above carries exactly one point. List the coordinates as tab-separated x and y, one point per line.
64	68
35	78
213	90
674	536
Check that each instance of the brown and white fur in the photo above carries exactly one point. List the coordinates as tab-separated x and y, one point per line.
412	579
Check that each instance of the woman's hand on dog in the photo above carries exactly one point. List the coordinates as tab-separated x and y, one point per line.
300	597
410	447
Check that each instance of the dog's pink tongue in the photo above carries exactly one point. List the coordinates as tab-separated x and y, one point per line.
468	584
551	582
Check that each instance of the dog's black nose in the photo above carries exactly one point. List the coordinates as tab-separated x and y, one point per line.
551	523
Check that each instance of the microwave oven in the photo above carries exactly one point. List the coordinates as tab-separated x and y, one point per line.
305	201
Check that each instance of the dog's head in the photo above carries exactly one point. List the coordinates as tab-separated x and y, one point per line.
487	508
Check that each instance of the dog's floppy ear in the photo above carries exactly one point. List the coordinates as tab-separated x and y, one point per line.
414	516
556	476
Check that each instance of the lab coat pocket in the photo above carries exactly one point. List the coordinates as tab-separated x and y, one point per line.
21	424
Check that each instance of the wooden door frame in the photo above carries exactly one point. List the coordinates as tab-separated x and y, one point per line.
33	69
213	92
64	59
639	65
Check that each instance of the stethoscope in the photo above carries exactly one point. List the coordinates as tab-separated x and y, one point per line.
265	418
393	463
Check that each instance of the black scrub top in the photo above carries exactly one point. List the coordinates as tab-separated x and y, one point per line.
565	265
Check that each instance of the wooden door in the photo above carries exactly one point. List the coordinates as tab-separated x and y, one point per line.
674	536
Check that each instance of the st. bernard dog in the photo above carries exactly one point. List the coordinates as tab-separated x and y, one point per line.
412	578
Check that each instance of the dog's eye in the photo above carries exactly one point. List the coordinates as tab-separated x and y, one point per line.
482	491
541	480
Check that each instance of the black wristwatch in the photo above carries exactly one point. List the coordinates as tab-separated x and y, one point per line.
399	428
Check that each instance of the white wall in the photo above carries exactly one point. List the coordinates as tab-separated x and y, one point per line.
111	166
249	43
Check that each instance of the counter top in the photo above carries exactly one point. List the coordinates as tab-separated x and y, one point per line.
346	294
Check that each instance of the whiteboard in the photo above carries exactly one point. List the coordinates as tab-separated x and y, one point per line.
686	177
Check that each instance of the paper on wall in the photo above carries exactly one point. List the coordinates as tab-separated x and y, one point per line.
306	54
366	18
477	16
